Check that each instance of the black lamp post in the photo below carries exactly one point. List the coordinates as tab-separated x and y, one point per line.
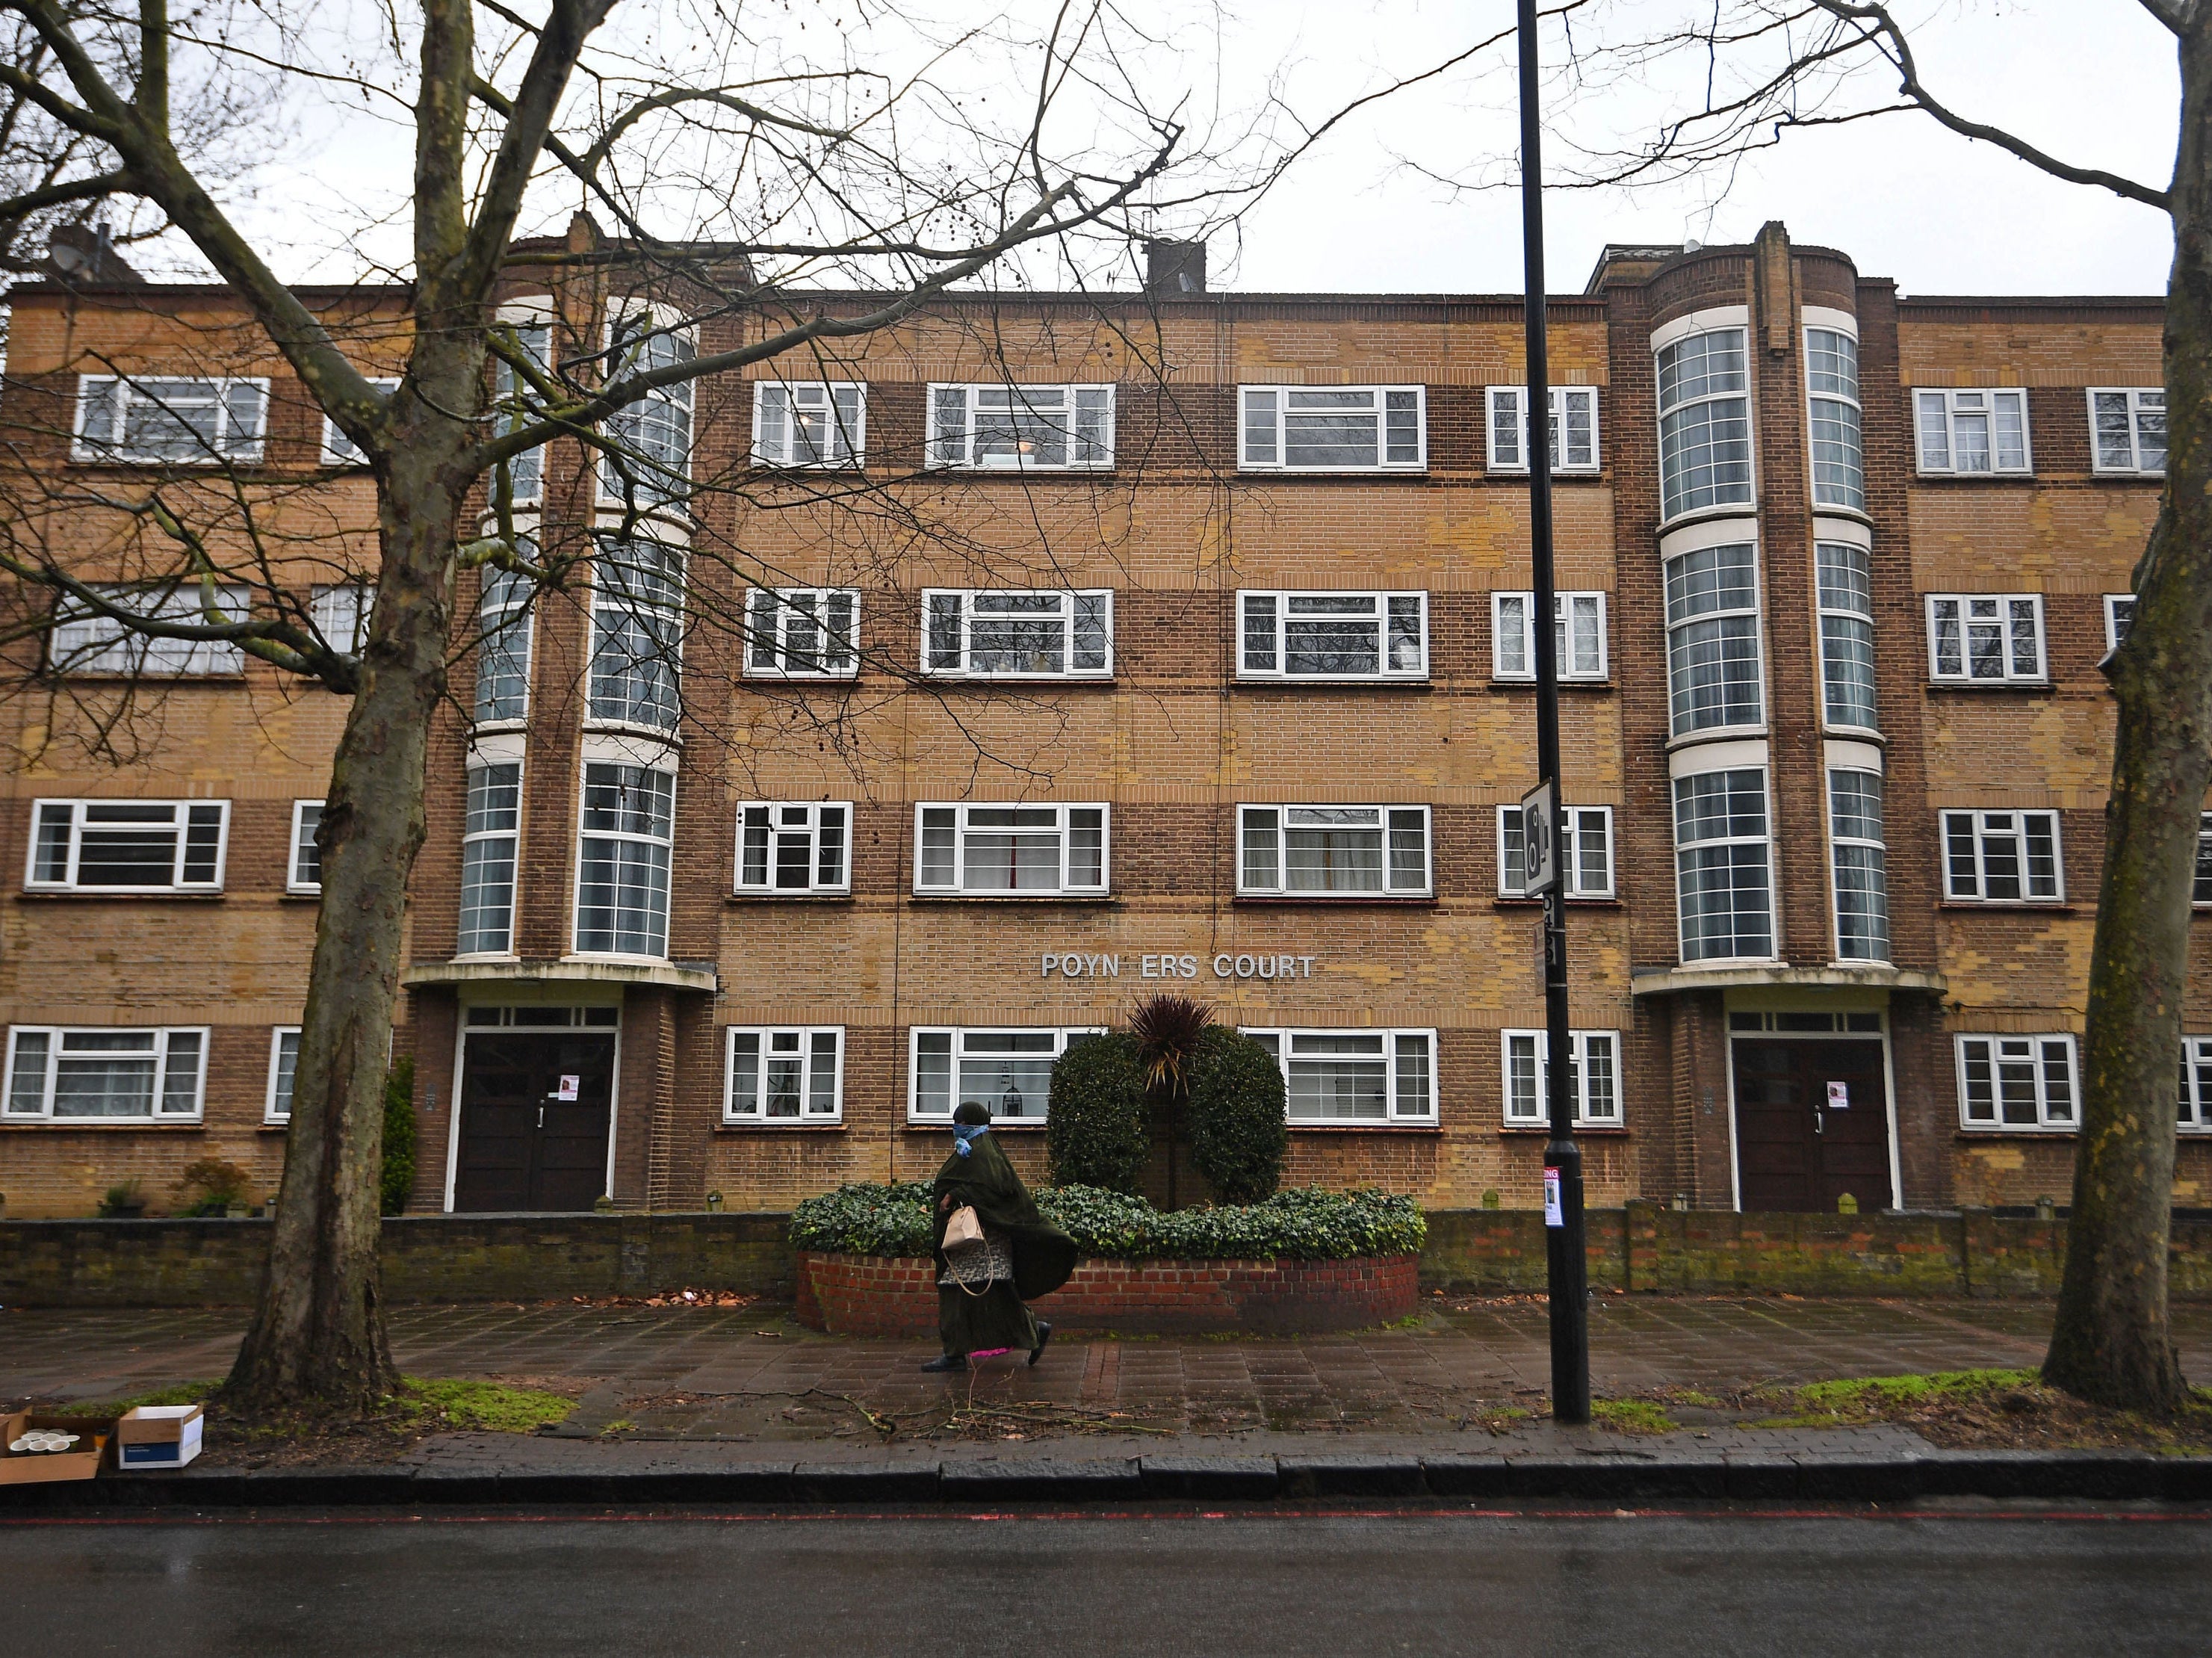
1543	847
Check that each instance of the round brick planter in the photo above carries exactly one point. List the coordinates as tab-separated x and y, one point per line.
888	1295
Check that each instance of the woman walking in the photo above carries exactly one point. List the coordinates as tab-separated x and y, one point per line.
981	1296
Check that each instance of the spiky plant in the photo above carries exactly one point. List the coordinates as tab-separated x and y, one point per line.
1167	1029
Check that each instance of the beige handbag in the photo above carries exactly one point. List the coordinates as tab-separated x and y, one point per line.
963	1231
974	1260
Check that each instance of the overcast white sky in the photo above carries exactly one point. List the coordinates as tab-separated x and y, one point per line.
2093	81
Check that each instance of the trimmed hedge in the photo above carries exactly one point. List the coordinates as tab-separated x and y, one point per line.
1238	1137
1096	1134
1305	1224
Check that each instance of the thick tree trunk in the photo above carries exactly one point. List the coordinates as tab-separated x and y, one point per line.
2112	1343
317	1341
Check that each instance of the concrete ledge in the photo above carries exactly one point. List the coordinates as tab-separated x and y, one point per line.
1205	1478
666	974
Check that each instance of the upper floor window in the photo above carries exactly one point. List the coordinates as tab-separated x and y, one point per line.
1028	851
1832	384
1355	1076
2200	893
1724	880
803	633
1017	636
650	462
2196	1112
1587	865
169	421
1333	636
2002	857
1593	1077
637	634
1008	1070
305	872
1846	575
1574	428
797	424
1705	423
1022	428
338	449
1860	864
2119	617
1713	672
1989	639
1577	635
503	645
283	1069
128	846
2128	428
2016	1081
785	1076
515	399
340	613
1333	851
795	847
86	642
627	839
1971	432
1335	428
490	838
105	1074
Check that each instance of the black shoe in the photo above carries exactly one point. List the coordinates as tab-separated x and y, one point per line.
950	1361
1044	1340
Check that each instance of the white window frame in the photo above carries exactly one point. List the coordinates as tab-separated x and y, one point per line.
57	1035
1507	430
302	843
2040	1048
2137	404
1282	1041
1584	824
1844	413
804	1039
1390	820
1062	827
473	838
1843	627
1538	1045
782	819
1387	605
1873	859
532	323
1724	497
505	632
846	428
2201	891
1967	400
770	615
1729	838
129	388
1082	413
1509	621
2194	1112
185	816
961	604
1725	622
633	599
657	915
85	642
957	1037
269	1100
641	337
1983	831
2119	617
338	449
2007	619
1263	412
340	611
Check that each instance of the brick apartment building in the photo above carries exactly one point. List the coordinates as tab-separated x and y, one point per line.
1050	650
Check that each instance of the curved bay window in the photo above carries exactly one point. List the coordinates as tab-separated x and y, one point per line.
624	849
637	634
1705	423
1724	886
1712	639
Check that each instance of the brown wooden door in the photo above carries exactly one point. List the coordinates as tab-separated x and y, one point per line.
1796	1150
523	1147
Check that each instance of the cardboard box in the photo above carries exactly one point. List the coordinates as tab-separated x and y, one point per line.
94	1450
159	1436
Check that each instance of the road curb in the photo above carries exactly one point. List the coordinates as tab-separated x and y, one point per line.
1611	1475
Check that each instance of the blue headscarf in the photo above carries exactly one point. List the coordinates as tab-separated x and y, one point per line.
964	1136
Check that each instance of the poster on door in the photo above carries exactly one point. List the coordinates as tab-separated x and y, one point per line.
570	1086
1839	1096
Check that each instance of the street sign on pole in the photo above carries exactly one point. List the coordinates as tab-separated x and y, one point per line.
1540	839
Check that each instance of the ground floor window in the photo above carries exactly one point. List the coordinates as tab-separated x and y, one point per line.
2196	1083
2016	1081
97	1076
283	1065
1355	1076
784	1074
2202	894
1008	1070
1593	1077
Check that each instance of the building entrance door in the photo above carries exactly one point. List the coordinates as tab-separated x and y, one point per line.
1812	1122
536	1109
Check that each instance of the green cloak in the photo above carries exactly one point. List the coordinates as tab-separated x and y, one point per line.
1044	1256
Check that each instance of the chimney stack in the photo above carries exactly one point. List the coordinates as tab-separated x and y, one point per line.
1174	267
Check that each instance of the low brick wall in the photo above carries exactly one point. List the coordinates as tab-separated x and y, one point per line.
880	1296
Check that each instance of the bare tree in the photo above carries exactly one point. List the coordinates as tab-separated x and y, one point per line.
820	170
